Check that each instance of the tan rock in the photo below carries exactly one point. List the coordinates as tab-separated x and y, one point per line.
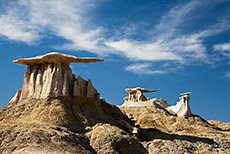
16	97
49	76
105	138
65	126
165	133
80	87
132	130
136	98
47	80
55	57
86	125
136	94
91	91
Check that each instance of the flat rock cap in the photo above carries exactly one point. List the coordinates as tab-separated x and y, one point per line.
55	57
187	93
134	90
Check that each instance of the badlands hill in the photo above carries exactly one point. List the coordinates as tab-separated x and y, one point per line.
55	112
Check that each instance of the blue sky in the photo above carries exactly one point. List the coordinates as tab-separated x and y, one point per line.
176	46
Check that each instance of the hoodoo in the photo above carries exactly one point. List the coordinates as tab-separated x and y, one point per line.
57	112
136	98
136	94
182	109
50	76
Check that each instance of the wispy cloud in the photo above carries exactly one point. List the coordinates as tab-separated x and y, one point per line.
14	28
170	21
31	21
223	48
143	51
140	68
167	44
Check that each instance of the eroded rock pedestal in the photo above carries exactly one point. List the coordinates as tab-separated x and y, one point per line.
53	123
55	112
137	99
50	76
181	109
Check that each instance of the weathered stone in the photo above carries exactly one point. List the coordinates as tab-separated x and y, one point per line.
91	91
16	97
132	130
182	109
105	138
47	80
86	125
50	76
136	94
137	99
55	57
80	87
162	102
162	132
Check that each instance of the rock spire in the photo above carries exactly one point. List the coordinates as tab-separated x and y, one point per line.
137	99
182	109
50	76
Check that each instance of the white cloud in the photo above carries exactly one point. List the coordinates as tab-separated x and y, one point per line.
169	22
166	44
143	68
13	28
143	51
31	21
224	48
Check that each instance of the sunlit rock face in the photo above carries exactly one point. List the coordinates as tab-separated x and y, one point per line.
137	99
182	109
50	76
47	80
136	94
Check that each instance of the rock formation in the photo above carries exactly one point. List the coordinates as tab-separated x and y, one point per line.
61	115
136	94
162	132
49	76
137	99
55	112
181	109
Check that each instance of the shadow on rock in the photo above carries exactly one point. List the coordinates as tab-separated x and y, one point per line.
151	134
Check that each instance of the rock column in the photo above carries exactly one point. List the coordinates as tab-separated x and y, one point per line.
47	80
50	76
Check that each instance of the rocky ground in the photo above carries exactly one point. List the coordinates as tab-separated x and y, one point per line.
162	132
86	125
